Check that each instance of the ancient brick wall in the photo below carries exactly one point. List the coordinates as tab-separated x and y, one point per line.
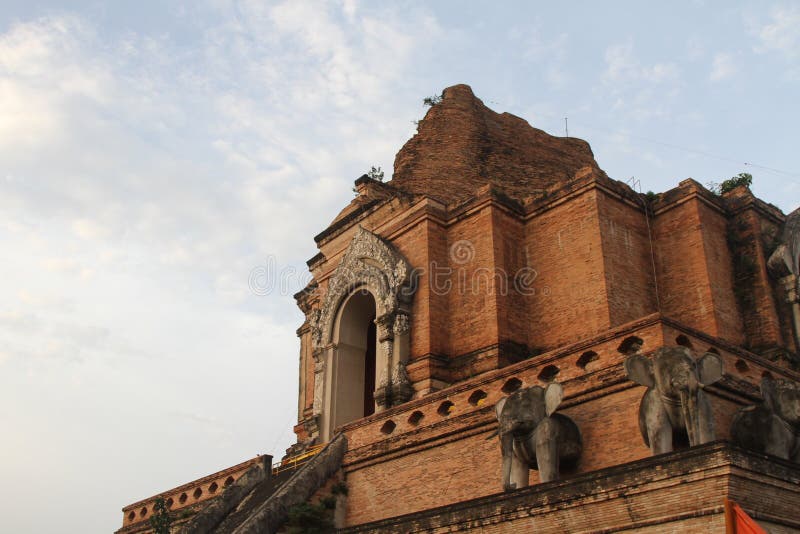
516	278
472	302
627	257
434	458
753	234
433	333
569	297
683	491
683	285
719	266
584	251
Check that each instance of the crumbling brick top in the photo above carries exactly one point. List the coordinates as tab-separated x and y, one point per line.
462	145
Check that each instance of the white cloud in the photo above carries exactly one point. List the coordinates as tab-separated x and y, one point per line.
660	72
142	180
695	48
88	229
61	264
548	52
622	66
640	90
782	32
723	67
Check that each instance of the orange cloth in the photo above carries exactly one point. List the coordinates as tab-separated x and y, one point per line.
738	522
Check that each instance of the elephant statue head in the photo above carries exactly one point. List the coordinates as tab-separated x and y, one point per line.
674	400
533	436
772	427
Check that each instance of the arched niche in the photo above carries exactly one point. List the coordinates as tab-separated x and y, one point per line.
372	278
353	370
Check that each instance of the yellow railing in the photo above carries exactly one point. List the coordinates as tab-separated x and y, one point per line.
296	461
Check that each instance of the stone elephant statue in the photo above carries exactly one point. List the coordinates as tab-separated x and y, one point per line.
533	436
773	426
674	403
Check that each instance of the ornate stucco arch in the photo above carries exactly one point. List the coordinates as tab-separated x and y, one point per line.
372	264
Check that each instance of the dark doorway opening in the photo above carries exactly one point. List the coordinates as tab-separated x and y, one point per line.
369	370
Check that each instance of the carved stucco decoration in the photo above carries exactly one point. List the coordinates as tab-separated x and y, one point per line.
401	325
371	262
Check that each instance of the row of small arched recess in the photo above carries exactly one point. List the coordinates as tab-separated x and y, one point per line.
546	375
182	499
445	409
740	365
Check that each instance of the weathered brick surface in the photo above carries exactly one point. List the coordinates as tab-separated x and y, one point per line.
683	284
568	300
719	266
462	145
512	266
437	461
626	247
472	295
680	492
753	232
432	336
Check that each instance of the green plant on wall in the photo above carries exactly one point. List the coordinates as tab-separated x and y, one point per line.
306	518
432	100
161	521
376	174
743	178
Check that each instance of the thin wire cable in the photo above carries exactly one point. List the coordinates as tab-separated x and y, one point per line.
691	150
674	146
634	185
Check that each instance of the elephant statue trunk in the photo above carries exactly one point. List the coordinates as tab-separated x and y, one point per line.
674	400
533	436
690	409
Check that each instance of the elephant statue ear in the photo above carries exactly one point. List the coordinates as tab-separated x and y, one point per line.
498	408
769	393
552	397
709	368
640	369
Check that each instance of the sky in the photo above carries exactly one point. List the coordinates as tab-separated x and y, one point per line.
155	155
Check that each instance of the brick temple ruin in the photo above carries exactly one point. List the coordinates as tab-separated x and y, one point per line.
500	260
